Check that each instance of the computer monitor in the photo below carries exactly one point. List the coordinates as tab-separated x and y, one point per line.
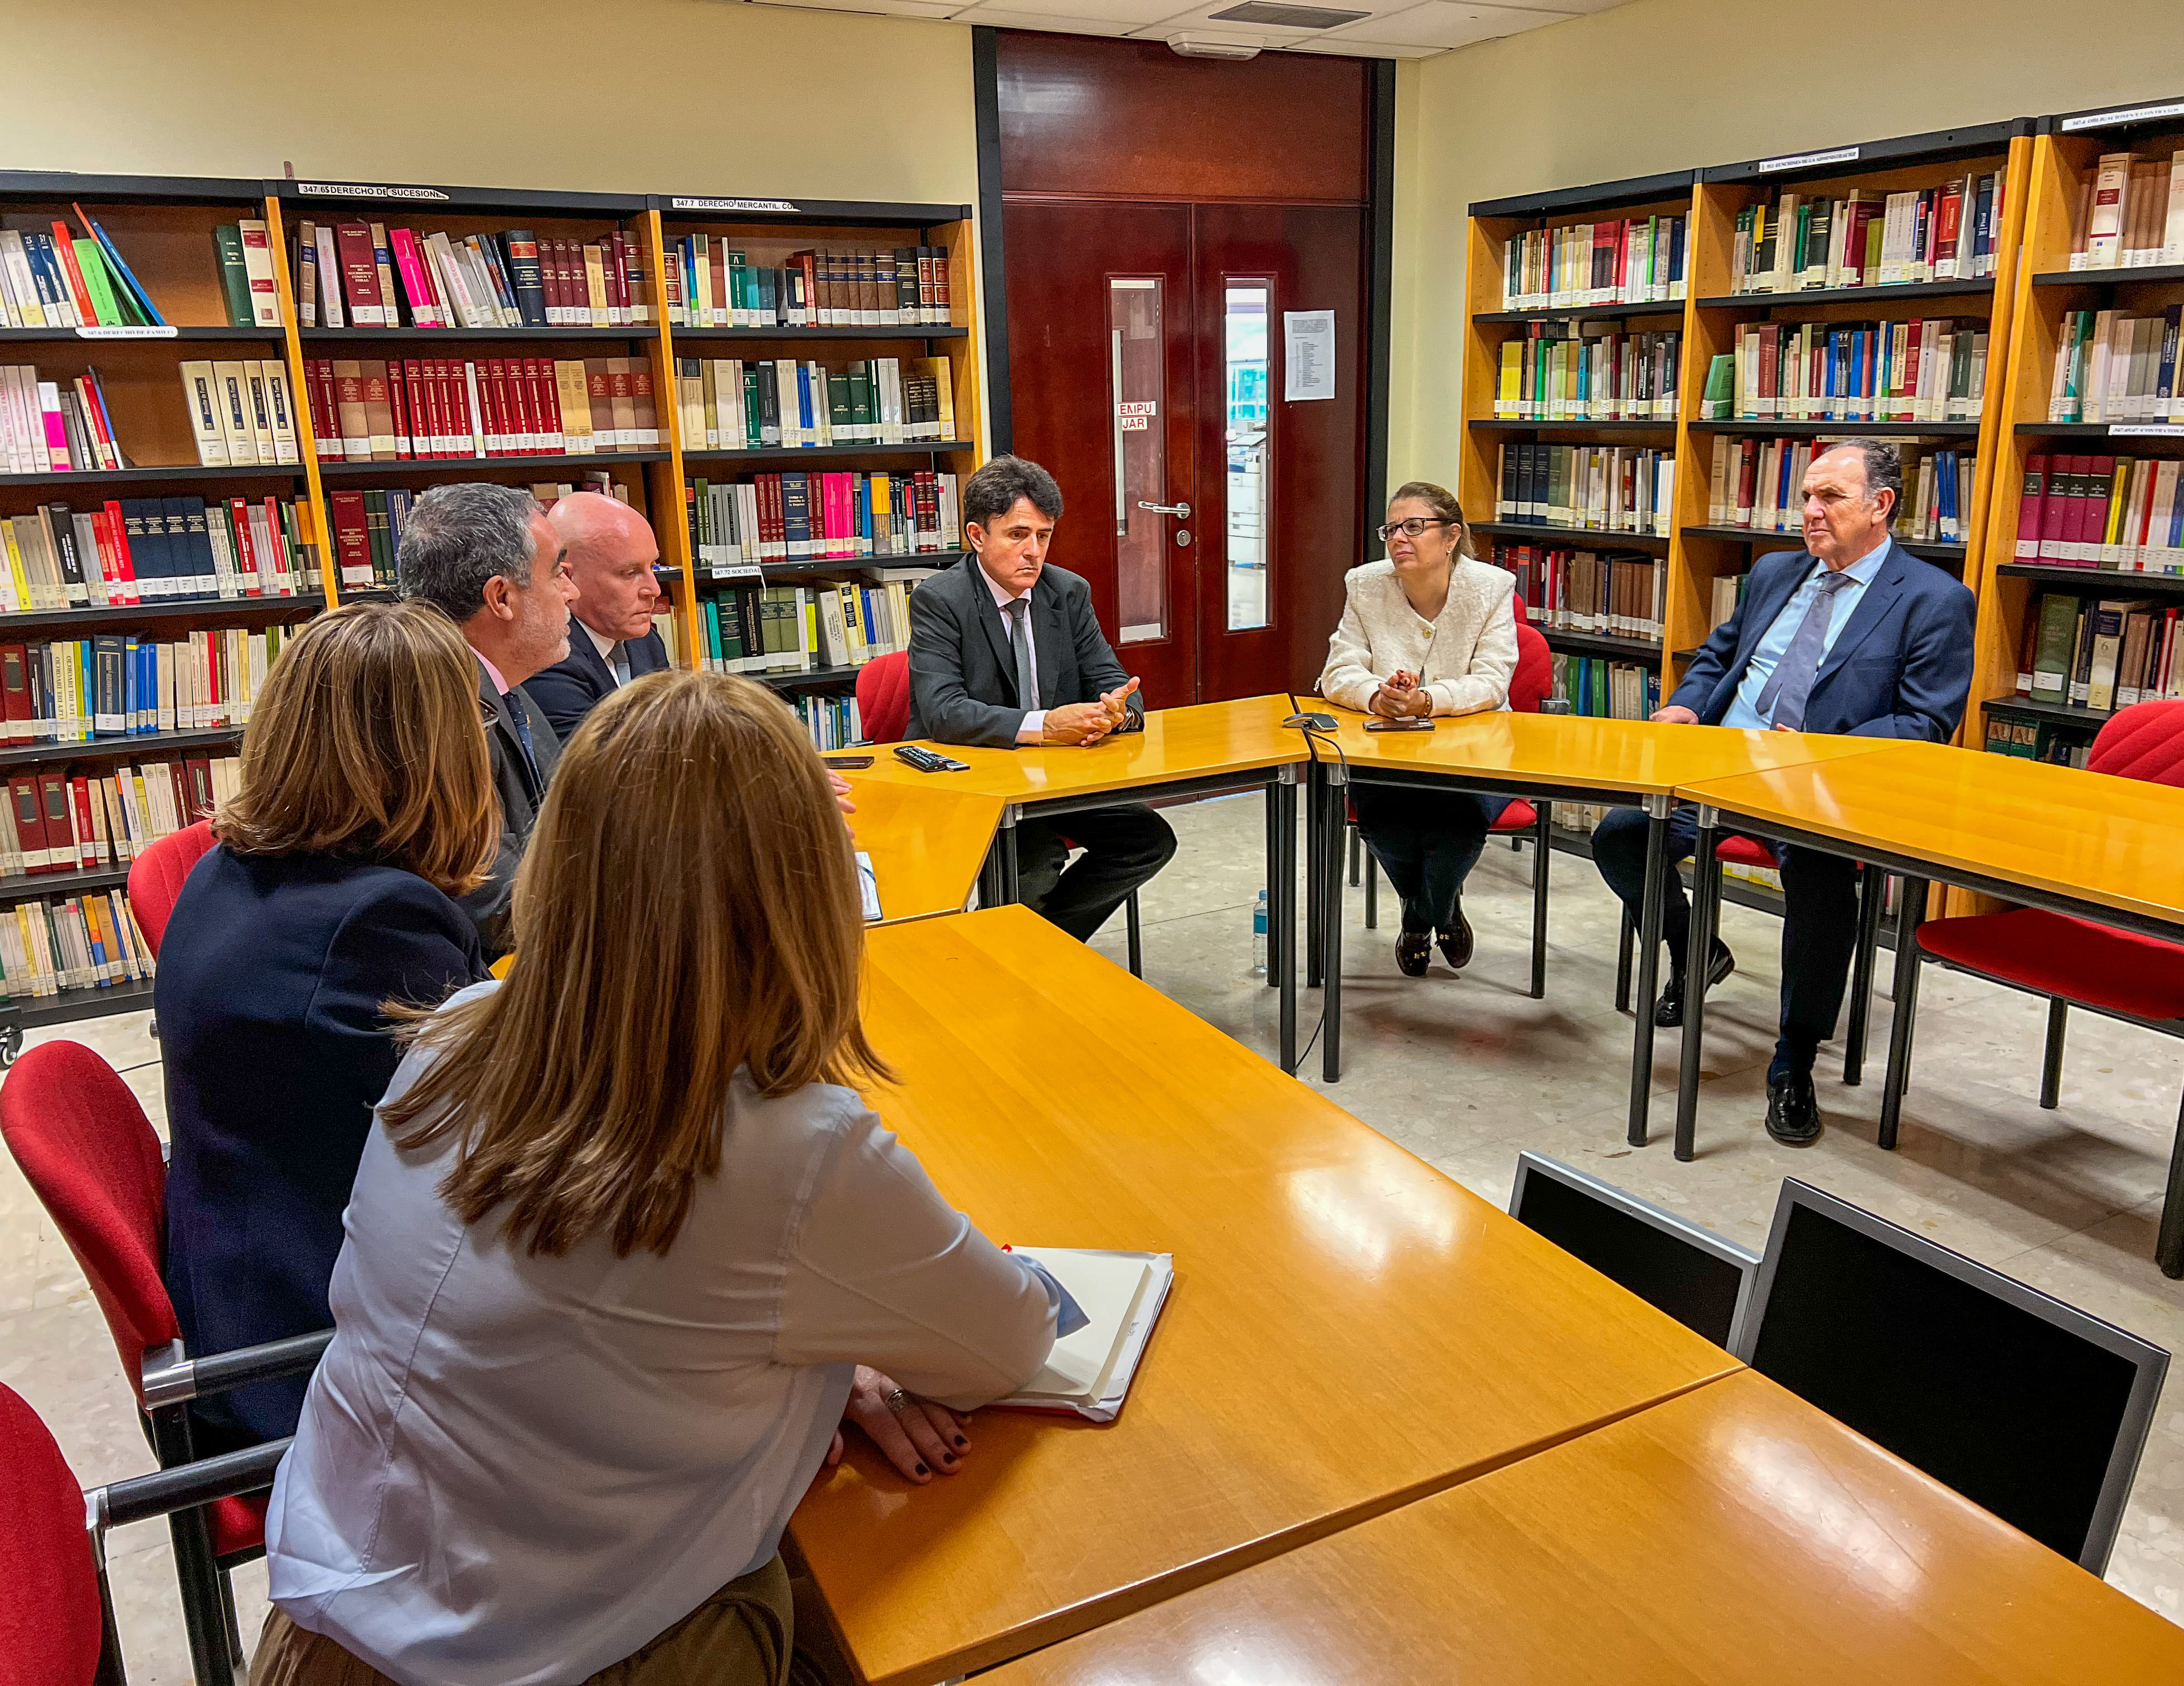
1696	1276
2028	1407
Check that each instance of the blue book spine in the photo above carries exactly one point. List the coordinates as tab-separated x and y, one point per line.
128	275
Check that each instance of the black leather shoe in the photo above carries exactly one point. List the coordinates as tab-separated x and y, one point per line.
1793	1115
1413	949
1456	945
1669	1011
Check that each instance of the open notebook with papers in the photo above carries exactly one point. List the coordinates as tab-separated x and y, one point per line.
1121	1295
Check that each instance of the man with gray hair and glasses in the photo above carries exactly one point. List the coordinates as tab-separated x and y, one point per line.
488	557
1851	635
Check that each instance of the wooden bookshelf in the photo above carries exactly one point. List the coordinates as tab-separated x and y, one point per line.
2046	290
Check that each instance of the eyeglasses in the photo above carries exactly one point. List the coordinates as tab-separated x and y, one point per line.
1410	529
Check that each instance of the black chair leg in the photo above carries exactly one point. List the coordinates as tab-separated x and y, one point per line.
2169	1251
1542	850
1908	914
1356	848
1371	892
1872	883
1136	936
2051	1062
1623	945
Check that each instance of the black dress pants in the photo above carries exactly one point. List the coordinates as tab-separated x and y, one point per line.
1819	924
1123	847
1426	841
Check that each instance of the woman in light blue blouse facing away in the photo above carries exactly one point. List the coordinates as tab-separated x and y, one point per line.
621	1240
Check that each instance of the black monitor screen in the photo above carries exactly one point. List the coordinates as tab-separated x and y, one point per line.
1693	1285
2016	1414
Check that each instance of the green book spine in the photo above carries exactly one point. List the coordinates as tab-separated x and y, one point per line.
234	278
103	304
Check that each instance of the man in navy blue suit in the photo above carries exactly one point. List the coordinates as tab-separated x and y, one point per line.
1851	635
611	554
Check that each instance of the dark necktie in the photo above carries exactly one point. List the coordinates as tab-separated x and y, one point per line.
512	705
618	663
1020	637
1781	699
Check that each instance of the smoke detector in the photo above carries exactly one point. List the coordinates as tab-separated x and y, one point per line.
1191	48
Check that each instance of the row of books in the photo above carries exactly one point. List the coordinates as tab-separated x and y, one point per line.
241	414
757	630
2105	653
347	275
2130	212
1635	260
711	284
244	255
1587	372
151	550
64	280
89	941
2118	513
1924	370
1759	483
66	820
2111	366
366	526
74	690
58	427
1723	593
833	721
1584	591
454	408
1868	238
1626	488
2065	745
732	404
1609	690
800	517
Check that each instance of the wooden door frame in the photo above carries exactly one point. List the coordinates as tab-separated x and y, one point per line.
1380	247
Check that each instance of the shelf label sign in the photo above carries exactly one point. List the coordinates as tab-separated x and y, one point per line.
736	571
732	204
1807	161
116	332
351	190
2136	113
2145	430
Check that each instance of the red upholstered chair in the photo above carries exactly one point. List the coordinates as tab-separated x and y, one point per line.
156	878
883	710
2116	974
90	1153
57	1621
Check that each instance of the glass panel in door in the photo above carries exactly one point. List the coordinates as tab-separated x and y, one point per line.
1137	386
1247	424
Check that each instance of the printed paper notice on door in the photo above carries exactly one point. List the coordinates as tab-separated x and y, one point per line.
1308	354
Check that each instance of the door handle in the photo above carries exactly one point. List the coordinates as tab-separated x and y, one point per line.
1181	511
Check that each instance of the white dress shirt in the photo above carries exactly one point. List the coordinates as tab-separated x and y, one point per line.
516	1470
1034	728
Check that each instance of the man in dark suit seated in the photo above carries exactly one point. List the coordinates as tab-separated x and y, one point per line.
1851	635
489	560
611	554
1005	649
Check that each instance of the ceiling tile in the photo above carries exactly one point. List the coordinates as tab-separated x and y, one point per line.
1120	14
899	8
1345	48
1449	23
1008	18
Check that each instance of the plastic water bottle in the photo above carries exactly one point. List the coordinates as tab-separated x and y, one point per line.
1259	936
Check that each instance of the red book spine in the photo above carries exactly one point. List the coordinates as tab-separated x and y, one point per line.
398	402
526	405
493	380
255	574
329	408
409	382
30	823
86	837
545	404
2029	508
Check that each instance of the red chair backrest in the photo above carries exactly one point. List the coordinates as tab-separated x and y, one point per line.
2145	742
156	878
50	1619
88	1149
1534	681
883	697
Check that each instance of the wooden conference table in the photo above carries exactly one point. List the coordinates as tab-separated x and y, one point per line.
2101	848
926	843
1732	1535
1545	757
1205	749
1349	1330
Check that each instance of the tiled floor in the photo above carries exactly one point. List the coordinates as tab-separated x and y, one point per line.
1465	1071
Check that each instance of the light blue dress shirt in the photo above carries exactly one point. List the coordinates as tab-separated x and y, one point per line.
1743	712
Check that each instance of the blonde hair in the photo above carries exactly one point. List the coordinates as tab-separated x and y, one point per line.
688	907
1443	502
368	741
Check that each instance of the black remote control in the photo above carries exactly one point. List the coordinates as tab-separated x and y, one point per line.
926	762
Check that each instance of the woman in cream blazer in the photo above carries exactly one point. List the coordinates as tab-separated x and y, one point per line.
1431	630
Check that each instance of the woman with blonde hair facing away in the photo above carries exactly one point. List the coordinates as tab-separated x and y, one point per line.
1429	630
365	806
623	1234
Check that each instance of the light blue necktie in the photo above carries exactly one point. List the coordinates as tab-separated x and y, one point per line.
1781	699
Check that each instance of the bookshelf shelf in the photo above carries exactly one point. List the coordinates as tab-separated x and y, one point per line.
71	337
2109	277
1610	645
154	474
825	453
1980	288
916	332
471	465
810	680
100	749
622	336
1585	313
138	614
1503	424
1604	538
1848	430
1933	550
2136	432
2091	579
777	573
2056	713
26	886
70	1005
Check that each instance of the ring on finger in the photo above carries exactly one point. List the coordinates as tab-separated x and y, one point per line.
898	1402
